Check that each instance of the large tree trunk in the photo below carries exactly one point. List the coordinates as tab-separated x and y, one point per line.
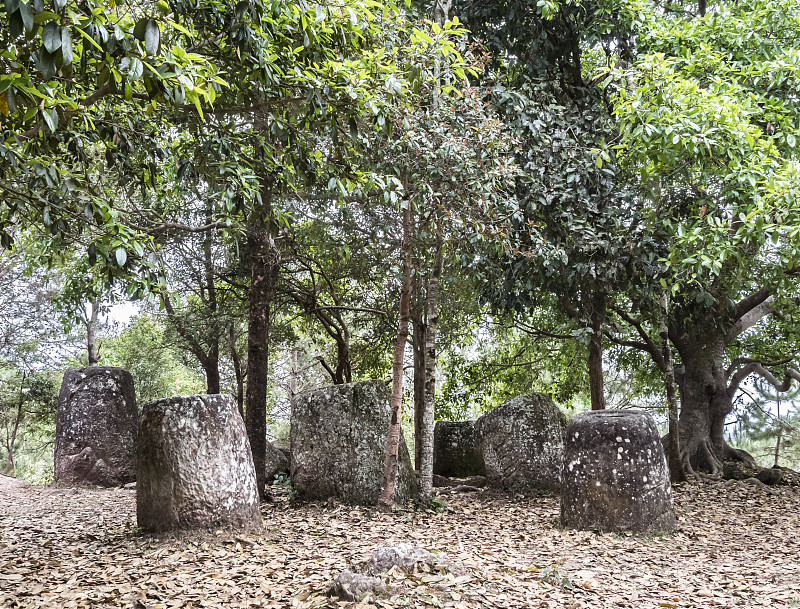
596	387
676	470
386	499
427	427
344	373
264	264
237	370
211	368
705	404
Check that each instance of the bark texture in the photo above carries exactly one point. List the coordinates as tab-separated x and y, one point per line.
522	443
596	384
428	404
264	265
91	333
195	466
387	496
676	470
96	427
615	475
338	444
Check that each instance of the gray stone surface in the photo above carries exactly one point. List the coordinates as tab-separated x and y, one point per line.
277	462
338	444
615	475
368	578
406	557
522	442
96	427
350	586
195	468
455	452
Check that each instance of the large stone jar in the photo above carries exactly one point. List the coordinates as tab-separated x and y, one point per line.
615	475
522	443
455	451
96	427
338	444
195	468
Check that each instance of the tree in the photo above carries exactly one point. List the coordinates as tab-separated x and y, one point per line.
573	230
143	350
295	72
708	124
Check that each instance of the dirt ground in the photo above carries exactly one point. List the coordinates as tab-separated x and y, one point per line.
737	546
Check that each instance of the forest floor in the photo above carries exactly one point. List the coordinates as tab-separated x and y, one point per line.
736	546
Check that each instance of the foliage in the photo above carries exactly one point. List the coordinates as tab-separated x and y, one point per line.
156	368
506	361
709	122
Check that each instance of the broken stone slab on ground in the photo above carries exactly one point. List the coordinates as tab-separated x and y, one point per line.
615	475
338	445
96	427
195	468
522	442
354	584
444	482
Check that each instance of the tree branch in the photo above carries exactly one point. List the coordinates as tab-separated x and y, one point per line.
758	368
750	317
648	344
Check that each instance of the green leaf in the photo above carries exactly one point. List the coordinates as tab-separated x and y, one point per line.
92	254
135	69
790	139
15	26
139	29
46	62
152	37
11	6
121	255
66	47
26	12
60	4
51	37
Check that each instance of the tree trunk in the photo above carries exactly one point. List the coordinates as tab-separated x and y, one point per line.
427	427
676	471
211	368
264	264
11	467
418	347
704	405
386	499
780	433
91	333
344	373
596	387
211	362
237	371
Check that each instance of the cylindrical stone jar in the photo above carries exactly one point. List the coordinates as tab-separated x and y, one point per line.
615	475
194	466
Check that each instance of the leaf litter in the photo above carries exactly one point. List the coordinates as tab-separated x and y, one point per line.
736	547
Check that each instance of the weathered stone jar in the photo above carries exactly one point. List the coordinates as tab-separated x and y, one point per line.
522	443
455	451
615	475
195	468
96	427
338	444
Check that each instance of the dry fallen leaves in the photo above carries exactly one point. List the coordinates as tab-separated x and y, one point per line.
736	547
